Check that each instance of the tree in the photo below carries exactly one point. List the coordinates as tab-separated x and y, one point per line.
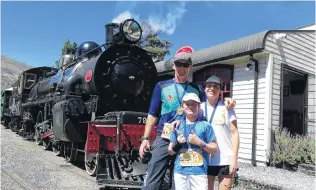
68	48
152	43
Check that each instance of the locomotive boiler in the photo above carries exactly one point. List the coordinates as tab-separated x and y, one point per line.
94	104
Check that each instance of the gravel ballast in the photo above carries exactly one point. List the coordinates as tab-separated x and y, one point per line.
260	177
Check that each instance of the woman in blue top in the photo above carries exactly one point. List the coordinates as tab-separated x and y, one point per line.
193	140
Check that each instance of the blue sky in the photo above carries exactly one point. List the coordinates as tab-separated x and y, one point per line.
34	32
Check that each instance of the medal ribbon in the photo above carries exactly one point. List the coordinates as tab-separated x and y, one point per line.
185	90
211	118
187	134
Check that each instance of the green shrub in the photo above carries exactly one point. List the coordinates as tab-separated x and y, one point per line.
292	149
308	156
278	155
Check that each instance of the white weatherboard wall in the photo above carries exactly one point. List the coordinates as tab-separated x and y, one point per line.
243	93
298	51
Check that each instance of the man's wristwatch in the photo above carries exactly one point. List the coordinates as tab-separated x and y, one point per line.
144	138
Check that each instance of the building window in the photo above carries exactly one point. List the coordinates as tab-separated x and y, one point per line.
224	72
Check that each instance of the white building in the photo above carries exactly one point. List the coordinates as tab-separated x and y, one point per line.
309	27
281	92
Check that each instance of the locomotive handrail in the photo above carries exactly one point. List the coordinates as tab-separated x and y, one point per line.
75	61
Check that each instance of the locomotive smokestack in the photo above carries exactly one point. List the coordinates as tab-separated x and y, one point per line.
109	33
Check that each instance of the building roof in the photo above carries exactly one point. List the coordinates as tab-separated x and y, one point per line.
243	46
222	51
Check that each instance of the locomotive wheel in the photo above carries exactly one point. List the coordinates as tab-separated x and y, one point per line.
91	163
70	152
56	149
11	126
37	135
46	143
6	123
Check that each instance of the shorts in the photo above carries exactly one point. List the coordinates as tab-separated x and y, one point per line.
218	170
190	182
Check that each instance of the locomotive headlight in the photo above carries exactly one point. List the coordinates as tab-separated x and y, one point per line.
131	30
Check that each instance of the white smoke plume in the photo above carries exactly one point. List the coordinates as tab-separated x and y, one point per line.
123	16
166	23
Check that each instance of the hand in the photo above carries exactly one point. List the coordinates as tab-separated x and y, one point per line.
229	103
145	144
181	139
175	124
194	139
233	166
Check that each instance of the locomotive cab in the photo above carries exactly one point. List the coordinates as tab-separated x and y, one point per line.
30	80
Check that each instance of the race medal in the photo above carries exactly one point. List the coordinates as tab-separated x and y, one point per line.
179	111
186	156
166	131
191	158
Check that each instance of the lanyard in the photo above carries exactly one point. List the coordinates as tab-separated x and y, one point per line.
185	89
187	134
211	119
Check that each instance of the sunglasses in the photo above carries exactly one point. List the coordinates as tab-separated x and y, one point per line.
215	86
182	63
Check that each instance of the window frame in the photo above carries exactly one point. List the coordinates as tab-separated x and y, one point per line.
25	80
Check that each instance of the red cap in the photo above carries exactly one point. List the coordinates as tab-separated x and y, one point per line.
186	49
183	53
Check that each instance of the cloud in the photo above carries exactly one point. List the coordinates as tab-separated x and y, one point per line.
123	16
168	24
165	22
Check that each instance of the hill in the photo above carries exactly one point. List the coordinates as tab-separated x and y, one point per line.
10	70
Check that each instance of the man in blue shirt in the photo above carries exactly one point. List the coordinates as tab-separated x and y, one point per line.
192	142
166	106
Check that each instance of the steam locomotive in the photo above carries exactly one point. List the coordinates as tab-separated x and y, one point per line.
95	103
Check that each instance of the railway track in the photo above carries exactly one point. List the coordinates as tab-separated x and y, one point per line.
15	151
17	179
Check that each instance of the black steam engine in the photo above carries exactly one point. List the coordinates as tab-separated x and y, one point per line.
96	103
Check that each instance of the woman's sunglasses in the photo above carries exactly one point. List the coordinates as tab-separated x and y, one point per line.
215	86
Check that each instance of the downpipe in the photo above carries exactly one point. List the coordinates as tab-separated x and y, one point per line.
255	102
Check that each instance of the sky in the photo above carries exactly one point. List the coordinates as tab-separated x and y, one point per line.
34	32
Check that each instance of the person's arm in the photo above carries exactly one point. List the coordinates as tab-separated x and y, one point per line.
235	137
175	124
210	146
235	140
170	151
151	121
152	118
210	137
154	109
176	143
